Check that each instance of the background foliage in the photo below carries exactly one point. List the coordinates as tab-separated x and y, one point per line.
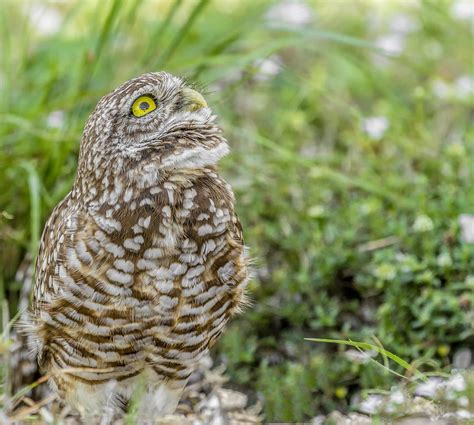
352	137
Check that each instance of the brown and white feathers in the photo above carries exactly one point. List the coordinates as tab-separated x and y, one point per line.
142	264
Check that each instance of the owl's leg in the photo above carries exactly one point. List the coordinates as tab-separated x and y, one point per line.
159	400
115	408
102	404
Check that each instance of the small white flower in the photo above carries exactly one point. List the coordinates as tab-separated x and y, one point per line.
55	119
46	20
466	221
440	88
375	127
391	44
463	401
463	9
291	12
423	223
429	388
372	404
403	24
464	87
267	68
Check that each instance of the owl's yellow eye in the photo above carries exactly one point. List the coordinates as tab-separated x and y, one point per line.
143	105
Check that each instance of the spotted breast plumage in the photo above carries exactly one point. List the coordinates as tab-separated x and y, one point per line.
142	264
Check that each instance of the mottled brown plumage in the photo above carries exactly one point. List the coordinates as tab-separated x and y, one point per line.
142	264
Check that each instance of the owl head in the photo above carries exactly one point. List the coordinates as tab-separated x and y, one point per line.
153	122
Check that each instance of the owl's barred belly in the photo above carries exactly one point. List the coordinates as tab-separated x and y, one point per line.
167	328
100	351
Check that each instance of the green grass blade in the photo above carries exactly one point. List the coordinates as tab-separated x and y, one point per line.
34	187
367	346
185	28
157	35
106	30
313	34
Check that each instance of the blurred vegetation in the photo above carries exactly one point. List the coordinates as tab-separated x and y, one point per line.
353	152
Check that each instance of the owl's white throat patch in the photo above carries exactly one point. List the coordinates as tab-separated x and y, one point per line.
197	157
203	115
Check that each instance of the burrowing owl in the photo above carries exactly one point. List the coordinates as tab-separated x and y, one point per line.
142	264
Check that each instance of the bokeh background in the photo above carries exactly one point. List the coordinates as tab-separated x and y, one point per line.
351	127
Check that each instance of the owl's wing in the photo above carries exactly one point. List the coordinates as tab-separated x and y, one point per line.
216	252
26	344
58	228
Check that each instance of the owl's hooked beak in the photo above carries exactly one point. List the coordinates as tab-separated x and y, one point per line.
192	100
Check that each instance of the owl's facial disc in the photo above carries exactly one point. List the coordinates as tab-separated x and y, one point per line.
187	137
190	137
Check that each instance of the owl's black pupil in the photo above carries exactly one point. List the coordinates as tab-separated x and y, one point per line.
144	106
